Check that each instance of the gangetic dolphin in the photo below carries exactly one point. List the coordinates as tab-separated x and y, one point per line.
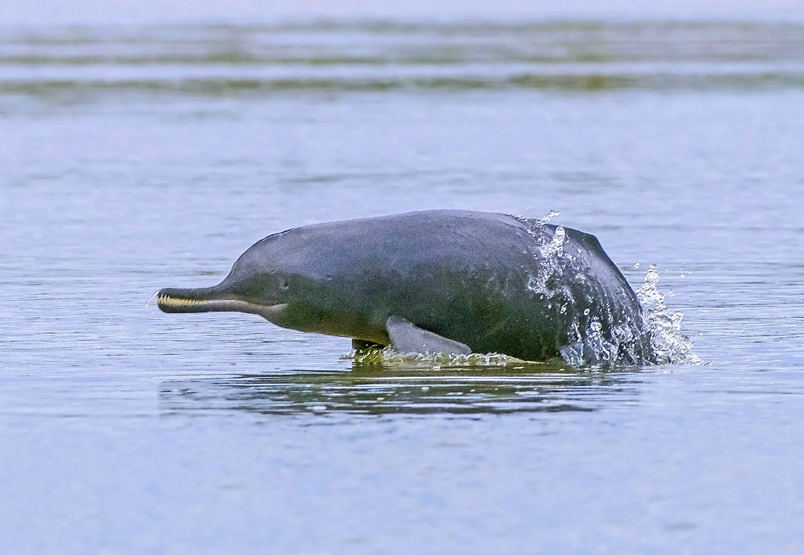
438	281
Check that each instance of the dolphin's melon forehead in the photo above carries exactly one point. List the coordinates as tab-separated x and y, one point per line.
407	238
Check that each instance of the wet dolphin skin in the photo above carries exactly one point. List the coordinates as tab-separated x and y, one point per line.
438	281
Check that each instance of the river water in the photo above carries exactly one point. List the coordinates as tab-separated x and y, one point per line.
142	156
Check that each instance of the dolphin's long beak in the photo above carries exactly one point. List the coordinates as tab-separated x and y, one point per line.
202	299
211	299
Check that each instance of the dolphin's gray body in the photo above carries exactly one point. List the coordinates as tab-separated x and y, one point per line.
440	280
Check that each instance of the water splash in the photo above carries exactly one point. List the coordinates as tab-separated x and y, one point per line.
664	327
551	269
603	327
661	326
605	336
433	361
549	216
148	302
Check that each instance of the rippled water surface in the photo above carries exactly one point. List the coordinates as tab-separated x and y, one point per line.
137	157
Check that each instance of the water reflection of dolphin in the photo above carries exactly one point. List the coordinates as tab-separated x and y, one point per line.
438	281
390	389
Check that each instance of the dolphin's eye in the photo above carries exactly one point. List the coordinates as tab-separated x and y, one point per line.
284	285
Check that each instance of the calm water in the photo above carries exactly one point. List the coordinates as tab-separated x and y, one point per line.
139	157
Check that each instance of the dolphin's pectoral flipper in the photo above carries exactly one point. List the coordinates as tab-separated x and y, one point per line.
407	338
361	346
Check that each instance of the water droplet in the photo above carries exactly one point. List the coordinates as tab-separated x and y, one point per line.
560	235
637	265
586	312
549	216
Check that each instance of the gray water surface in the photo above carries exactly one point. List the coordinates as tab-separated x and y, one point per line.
140	157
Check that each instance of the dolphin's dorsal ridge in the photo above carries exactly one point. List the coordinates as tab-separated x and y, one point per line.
408	338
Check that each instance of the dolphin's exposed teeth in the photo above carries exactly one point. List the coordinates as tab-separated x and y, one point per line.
166	300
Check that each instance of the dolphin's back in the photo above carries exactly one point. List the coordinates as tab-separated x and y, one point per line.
399	242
